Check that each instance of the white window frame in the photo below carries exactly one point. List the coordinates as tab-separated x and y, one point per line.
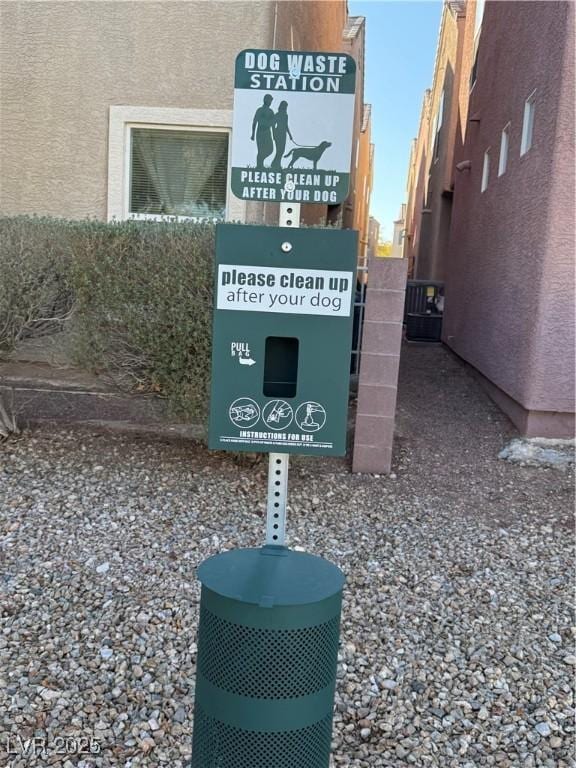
478	16
485	171
433	133
478	19
440	111
437	127
528	123
123	119
504	150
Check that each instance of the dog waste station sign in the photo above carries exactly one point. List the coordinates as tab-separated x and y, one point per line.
292	127
281	341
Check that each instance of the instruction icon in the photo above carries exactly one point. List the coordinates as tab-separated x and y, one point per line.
311	416
277	414
244	412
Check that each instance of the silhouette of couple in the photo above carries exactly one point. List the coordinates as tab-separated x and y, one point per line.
271	129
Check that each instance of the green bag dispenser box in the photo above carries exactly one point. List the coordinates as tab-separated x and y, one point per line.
282	336
267	657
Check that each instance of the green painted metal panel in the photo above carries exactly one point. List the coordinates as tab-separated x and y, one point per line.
270	70
290	617
293	123
266	714
220	745
277	286
271	576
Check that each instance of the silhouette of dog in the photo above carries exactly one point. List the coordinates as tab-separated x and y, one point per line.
308	153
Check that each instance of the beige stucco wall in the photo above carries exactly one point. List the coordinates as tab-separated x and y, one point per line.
416	189
397	251
363	190
63	64
354	41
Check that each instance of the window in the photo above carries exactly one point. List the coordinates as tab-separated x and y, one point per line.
477	28
433	132
178	173
485	171
441	110
528	123
435	146
170	161
504	142
479	15
474	71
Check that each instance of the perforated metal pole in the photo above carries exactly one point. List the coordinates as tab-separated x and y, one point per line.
278	462
289	215
277	493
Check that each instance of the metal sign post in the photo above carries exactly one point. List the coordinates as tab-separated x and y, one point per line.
277	499
278	463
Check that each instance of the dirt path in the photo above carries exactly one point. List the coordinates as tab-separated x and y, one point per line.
449	434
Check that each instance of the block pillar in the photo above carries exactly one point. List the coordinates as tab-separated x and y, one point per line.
379	364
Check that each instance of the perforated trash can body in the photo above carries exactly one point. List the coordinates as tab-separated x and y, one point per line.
267	658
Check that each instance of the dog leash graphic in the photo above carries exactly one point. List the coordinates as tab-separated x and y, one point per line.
303	146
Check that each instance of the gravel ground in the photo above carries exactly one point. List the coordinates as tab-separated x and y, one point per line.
458	633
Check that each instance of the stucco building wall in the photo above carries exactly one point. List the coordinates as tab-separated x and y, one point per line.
63	64
354	214
416	188
309	25
435	147
510	280
363	186
399	234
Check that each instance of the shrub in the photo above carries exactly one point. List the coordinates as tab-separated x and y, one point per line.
136	298
143	307
34	299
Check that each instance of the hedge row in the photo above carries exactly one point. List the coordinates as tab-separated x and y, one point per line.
135	298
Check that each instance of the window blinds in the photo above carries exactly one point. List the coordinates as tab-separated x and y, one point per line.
178	173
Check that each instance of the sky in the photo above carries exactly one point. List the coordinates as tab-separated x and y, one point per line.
401	38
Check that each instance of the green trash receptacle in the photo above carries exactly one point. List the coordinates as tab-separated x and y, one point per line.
267	658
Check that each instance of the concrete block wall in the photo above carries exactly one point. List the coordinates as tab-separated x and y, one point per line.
378	381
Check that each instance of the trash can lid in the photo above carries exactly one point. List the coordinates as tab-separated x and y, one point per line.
271	576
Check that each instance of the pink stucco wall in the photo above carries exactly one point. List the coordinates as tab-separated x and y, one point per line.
510	279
